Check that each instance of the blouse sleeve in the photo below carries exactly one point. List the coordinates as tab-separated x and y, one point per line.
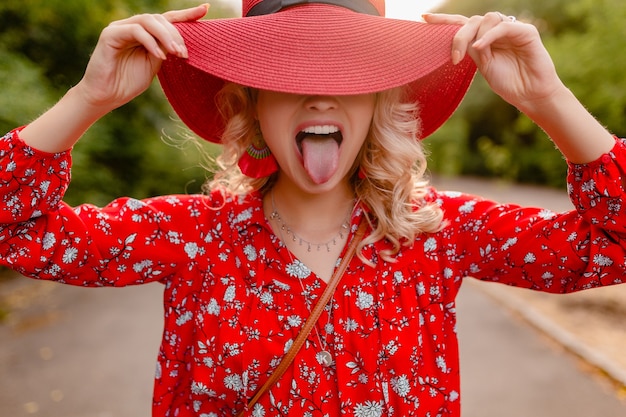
539	249
32	182
597	191
42	237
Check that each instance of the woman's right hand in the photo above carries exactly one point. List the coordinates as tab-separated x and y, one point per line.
129	54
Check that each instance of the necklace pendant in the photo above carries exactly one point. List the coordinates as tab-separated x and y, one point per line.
324	358
283	227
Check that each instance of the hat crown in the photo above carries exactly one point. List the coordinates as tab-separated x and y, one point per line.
314	47
379	5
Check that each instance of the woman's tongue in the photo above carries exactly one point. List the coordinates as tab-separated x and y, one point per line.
321	157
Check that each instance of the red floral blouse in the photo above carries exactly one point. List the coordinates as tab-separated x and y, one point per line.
234	300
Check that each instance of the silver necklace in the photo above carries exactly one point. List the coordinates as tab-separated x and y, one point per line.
324	357
345	227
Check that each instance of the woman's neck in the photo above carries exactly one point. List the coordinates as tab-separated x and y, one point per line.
312	211
314	227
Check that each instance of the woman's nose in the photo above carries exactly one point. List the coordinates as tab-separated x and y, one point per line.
321	103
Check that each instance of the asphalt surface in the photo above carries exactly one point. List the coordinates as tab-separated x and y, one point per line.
76	352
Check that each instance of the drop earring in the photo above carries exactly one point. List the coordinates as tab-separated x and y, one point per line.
258	161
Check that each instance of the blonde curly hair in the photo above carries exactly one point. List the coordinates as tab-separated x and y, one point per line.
393	161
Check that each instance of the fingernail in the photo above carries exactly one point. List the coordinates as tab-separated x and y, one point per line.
456	56
160	54
181	50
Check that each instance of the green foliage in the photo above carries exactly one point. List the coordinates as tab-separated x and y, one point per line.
25	91
590	58
44	48
585	39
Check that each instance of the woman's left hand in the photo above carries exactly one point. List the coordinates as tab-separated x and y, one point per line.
513	60
509	54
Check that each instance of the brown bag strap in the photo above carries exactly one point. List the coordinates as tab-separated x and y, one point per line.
310	322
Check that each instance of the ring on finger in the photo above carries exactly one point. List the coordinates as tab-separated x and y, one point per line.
503	18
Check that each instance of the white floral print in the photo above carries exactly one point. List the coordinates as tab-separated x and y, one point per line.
233	303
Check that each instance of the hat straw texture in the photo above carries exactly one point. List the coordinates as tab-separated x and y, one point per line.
316	49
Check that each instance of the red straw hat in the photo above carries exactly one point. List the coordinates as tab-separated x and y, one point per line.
325	47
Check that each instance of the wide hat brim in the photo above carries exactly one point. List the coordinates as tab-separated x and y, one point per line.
319	50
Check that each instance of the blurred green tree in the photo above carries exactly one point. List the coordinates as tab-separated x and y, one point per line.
44	47
488	137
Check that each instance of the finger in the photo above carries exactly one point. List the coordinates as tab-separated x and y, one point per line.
157	27
446	19
461	42
464	38
488	22
130	35
490	26
473	31
187	15
160	27
515	32
177	43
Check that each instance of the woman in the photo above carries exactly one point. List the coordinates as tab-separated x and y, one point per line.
319	107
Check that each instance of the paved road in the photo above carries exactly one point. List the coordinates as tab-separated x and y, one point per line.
90	353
